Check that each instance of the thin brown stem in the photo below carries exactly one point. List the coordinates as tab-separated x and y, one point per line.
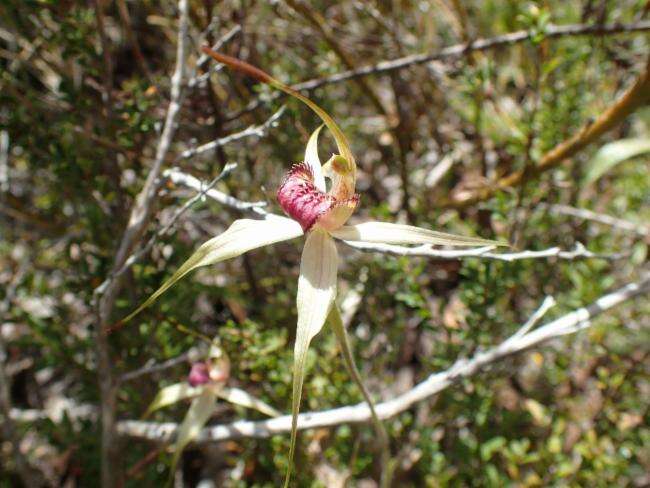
636	96
458	51
318	22
111	455
133	40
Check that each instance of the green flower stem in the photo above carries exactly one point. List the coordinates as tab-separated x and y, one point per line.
387	467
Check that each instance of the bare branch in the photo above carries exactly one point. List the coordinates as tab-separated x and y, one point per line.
107	295
567	324
425	250
547	304
56	412
152	367
457	51
204	58
634	97
136	256
581	213
252	131
179	178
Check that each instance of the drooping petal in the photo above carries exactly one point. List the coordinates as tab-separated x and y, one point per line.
242	236
386	233
313	161
316	293
196	417
242	398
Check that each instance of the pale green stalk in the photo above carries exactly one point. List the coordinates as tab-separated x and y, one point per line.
387	467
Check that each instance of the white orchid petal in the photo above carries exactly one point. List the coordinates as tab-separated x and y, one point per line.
172	394
387	233
242	236
316	293
313	161
242	398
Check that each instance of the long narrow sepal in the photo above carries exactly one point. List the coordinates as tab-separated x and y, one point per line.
242	236
386	233
316	293
172	394
237	396
342	168
341	141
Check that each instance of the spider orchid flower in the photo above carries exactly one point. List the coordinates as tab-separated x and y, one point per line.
318	214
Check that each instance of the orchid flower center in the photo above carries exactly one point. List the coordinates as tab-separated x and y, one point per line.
305	203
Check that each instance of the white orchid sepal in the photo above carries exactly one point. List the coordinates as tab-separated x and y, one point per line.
387	233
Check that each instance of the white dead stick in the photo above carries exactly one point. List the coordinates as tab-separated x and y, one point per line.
584	214
179	178
252	131
106	295
567	324
482	252
204	58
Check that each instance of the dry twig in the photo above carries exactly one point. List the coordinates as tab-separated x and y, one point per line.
584	214
460	50
179	178
636	96
580	252
106	296
252	131
567	324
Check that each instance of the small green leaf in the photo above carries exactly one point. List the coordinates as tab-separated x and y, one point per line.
489	448
538	412
612	154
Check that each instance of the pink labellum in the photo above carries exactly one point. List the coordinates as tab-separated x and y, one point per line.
199	374
306	204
